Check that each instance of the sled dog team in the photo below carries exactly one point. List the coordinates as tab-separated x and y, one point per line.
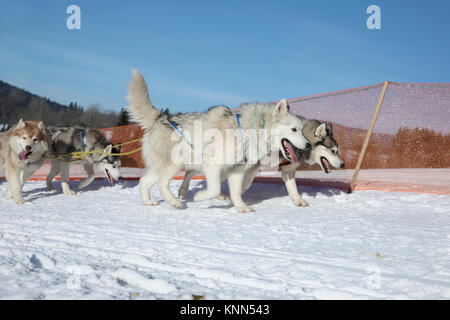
262	131
24	148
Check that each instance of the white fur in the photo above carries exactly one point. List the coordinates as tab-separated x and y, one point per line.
160	141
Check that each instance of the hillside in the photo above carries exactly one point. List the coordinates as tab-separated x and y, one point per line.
16	103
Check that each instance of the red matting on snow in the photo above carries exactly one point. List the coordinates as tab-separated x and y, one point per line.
341	185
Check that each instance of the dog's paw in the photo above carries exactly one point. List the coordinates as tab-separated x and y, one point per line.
20	201
244	209
223	197
177	204
201	195
300	202
150	203
69	193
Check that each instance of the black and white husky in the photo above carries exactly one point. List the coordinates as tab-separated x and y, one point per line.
73	139
258	131
324	152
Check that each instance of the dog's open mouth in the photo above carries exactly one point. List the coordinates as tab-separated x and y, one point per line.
325	165
289	151
24	154
109	177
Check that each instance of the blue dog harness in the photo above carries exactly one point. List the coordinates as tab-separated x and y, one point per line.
180	133
237	116
83	142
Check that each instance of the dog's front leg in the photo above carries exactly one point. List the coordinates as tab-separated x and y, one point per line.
55	169
65	172
13	184
89	168
250	176
29	170
288	176
235	180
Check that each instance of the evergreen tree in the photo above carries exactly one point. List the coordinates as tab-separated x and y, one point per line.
124	118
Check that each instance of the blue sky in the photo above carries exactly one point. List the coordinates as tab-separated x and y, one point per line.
195	54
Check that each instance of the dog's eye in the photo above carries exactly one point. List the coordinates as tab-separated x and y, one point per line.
35	140
24	138
294	129
114	167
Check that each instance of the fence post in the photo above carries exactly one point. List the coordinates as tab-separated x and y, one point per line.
368	135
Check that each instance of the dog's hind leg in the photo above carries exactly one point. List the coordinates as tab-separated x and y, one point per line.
235	180
165	176
288	176
212	175
65	171
145	183
185	185
89	168
55	169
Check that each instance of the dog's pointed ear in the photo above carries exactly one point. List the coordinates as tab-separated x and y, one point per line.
330	127
116	149
321	131
41	125
20	124
108	148
282	107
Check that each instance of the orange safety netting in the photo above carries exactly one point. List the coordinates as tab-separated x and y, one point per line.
409	149
123	134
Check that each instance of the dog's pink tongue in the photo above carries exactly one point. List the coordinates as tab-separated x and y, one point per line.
327	164
292	153
23	155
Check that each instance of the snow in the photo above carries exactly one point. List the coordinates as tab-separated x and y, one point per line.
103	244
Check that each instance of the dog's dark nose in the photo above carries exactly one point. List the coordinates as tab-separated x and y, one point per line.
342	165
28	148
308	145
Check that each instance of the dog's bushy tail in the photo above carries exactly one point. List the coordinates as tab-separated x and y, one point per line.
141	108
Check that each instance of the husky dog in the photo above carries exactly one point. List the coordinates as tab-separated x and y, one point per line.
324	152
161	140
22	150
68	140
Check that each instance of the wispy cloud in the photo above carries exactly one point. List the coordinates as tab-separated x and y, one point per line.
108	74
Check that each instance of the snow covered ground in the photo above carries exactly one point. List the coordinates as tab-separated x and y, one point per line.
102	243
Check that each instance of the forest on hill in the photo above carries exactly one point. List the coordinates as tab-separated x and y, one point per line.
16	103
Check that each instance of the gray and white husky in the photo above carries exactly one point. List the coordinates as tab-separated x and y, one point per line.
72	139
165	133
324	152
